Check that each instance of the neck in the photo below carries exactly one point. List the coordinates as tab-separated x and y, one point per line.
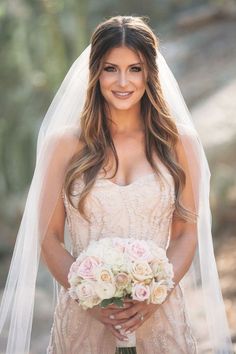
125	121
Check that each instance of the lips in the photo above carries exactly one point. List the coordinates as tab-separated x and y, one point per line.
120	94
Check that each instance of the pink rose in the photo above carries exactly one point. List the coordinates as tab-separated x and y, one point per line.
139	250
140	292
87	267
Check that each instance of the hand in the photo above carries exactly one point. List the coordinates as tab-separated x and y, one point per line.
103	315
131	317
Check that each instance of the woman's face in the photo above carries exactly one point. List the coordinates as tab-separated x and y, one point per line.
122	80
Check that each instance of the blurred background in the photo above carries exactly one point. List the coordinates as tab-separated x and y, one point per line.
39	40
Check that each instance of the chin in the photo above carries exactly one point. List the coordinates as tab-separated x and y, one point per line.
123	105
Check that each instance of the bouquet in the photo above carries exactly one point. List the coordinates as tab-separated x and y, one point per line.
113	269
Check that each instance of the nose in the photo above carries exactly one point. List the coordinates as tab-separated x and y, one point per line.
122	78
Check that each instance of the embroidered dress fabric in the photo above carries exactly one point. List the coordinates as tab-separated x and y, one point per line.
142	210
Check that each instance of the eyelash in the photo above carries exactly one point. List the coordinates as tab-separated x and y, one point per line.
112	67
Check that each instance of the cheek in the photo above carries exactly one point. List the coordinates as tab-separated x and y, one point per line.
139	82
105	81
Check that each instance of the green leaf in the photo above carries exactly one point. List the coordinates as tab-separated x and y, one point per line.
106	302
118	301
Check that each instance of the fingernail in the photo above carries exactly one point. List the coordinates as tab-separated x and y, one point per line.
112	317
118	327
127	332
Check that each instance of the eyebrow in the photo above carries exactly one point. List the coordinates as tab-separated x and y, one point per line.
118	65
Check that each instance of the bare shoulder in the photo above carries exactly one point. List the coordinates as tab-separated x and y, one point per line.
66	141
59	148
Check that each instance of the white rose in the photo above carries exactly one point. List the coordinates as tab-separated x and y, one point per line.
112	257
165	271
158	292
119	244
104	275
90	303
104	290
141	271
74	280
86	294
85	290
158	252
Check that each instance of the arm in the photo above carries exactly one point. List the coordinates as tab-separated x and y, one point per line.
58	260
55	256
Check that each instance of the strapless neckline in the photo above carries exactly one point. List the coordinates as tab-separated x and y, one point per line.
137	180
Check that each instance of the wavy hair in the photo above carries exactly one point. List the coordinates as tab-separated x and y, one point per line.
161	133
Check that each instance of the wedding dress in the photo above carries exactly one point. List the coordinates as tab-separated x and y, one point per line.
142	209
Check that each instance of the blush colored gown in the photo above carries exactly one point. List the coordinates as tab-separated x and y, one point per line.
143	210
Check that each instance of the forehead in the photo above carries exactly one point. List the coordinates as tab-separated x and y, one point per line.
122	56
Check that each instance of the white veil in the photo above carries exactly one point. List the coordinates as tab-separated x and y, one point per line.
207	315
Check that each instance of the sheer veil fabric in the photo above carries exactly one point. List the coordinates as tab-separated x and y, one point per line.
55	147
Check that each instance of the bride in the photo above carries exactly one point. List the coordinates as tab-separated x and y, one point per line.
118	156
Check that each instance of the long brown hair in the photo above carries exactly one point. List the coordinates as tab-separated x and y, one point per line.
161	133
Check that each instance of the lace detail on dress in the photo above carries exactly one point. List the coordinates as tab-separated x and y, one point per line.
143	210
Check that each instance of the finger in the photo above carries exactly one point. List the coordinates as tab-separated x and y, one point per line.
116	333
137	325
127	313
107	312
110	317
112	314
115	307
133	322
111	321
147	312
108	321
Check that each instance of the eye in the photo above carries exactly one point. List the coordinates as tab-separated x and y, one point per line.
136	68
109	68
112	68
